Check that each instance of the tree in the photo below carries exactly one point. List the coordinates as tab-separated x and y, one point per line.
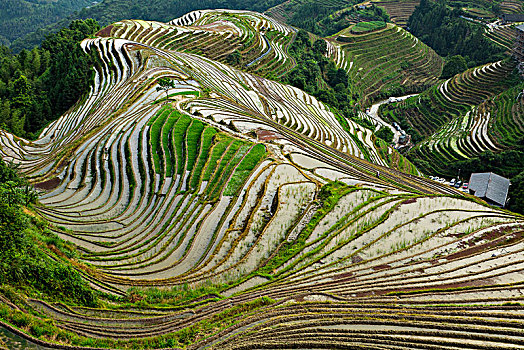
455	65
320	47
516	194
234	58
385	134
165	84
21	92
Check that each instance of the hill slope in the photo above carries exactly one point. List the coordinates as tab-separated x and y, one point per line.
21	17
251	200
386	62
109	11
471	113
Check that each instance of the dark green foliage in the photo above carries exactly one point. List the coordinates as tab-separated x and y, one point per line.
385	134
40	85
516	194
508	163
441	28
21	17
318	75
455	65
23	263
234	58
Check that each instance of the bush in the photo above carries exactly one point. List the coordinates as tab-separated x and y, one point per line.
22	262
385	134
455	65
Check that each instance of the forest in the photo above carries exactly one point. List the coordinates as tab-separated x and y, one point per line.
442	28
21	17
38	86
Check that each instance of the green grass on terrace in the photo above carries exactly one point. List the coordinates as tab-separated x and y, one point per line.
167	145
156	128
224	161
194	133
366	27
250	161
211	156
207	139
179	134
222	142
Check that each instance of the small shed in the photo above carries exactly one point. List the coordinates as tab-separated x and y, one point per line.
518	47
512	17
490	187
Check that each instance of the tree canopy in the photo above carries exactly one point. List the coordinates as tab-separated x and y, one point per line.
443	29
455	65
38	86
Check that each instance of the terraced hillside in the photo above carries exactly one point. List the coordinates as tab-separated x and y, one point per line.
399	10
511	6
502	35
386	62
273	225
425	114
463	117
155	187
239	38
495	125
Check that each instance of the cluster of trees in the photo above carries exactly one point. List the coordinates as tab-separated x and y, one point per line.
443	29
454	65
318	75
109	11
385	134
38	86
21	17
326	18
23	240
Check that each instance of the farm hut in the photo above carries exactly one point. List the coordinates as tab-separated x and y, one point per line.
512	17
518	49
490	187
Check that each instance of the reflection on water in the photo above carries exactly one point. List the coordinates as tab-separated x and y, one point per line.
11	341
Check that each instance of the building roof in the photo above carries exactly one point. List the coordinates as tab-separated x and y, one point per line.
521	27
491	186
513	17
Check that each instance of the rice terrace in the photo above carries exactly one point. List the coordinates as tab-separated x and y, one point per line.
274	174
